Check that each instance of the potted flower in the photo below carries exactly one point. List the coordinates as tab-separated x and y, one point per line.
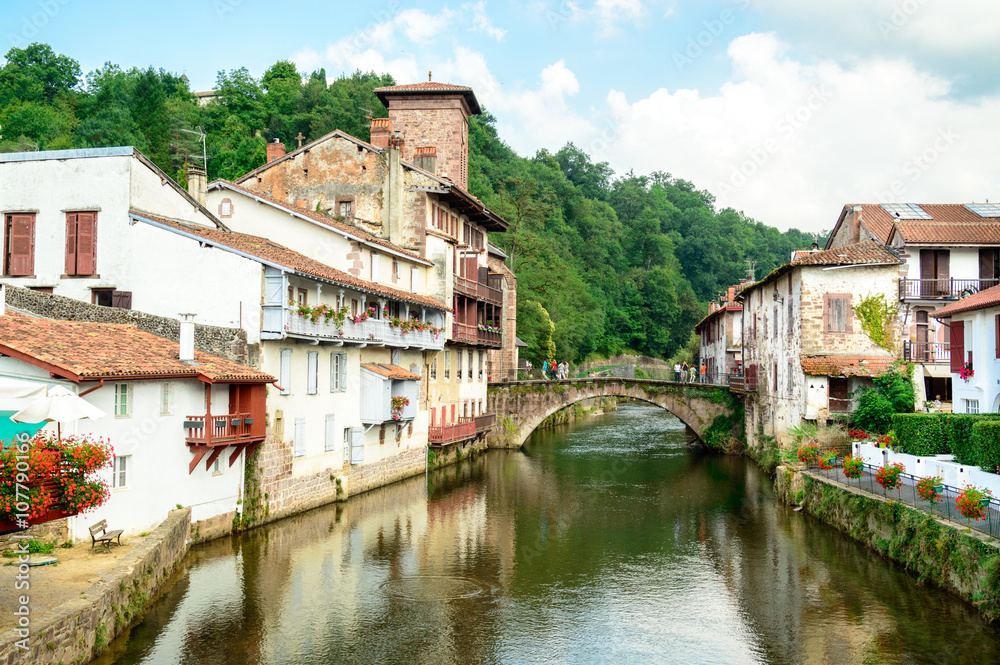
853	466
857	434
398	402
972	502
889	476
828	460
808	453
930	489
966	372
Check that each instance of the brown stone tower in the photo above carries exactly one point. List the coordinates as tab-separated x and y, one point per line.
434	115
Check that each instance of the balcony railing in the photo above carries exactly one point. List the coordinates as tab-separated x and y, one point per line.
942	289
466	286
485	422
465	428
463	332
372	331
927	352
489	338
223	429
745	382
489	294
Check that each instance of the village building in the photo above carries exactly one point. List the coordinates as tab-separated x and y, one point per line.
804	351
974	336
181	422
720	345
408	187
948	251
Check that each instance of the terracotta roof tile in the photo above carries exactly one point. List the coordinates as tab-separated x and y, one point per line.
391	371
323	219
723	307
429	87
986	298
835	365
269	250
949	223
111	350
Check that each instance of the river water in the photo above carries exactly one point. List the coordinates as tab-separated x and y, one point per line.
607	541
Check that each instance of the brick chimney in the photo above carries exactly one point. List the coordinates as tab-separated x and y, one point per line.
426	158
197	183
275	150
380	133
854	222
731	294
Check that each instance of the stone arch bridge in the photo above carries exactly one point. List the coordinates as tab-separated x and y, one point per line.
711	411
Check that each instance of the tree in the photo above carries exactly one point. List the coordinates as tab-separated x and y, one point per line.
53	74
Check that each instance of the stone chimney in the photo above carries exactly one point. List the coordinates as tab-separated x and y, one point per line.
380	132
275	150
187	337
197	183
426	158
854	223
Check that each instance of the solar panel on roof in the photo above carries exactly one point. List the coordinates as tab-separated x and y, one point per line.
984	209
905	211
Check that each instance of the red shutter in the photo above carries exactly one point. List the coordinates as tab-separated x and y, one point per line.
86	243
71	243
21	245
957	346
996	333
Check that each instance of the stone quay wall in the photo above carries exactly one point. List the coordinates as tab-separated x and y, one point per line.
82	628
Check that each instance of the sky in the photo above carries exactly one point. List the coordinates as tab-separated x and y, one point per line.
784	109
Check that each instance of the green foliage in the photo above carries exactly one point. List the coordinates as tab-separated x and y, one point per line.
877	317
891	393
972	439
986	445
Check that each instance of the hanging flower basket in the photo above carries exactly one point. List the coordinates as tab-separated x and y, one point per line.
930	489
808	454
966	372
973	502
889	476
398	402
853	466
828	460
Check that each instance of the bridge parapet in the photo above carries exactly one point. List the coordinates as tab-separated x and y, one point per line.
711	411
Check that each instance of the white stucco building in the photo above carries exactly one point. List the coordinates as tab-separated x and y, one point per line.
974	326
720	345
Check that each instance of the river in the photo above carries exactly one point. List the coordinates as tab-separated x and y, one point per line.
611	540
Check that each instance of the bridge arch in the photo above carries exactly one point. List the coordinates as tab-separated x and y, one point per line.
523	405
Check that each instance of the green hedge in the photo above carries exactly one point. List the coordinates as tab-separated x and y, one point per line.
942	434
986	439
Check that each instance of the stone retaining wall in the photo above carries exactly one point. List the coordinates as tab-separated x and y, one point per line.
228	343
81	628
966	563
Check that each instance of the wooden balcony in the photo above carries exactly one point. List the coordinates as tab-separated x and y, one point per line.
745	382
927	352
490	339
485	422
489	294
466	286
463	332
942	289
222	430
441	435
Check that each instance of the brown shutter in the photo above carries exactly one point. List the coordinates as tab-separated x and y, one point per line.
86	243
957	346
942	256
996	333
986	263
71	243
21	245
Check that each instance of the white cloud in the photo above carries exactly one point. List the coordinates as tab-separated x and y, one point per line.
611	12
790	143
481	20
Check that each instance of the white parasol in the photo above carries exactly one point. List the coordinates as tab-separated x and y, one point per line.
59	406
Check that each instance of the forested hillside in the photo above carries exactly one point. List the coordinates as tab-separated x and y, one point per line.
605	262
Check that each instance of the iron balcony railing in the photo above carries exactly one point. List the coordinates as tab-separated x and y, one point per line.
942	289
927	352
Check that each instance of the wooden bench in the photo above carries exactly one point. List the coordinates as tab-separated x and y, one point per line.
99	534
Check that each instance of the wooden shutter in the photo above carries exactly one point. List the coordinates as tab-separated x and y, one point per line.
941	257
121	299
21	245
343	372
86	243
986	263
357	445
299	446
71	243
330	434
286	371
312	372
996	333
957	346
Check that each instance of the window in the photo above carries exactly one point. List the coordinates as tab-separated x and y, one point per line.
19	251
789	378
347	444
840	401
291	295
345	206
123	400
394	356
286	372
111	298
119	477
790	326
375	267
166	397
480	365
225	208
330	434
763	316
775	322
338	372
217	466
81	243
303	297
972	406
312	372
395	269
458	370
837	313
354	307
470	365
447	365
299	444
433	372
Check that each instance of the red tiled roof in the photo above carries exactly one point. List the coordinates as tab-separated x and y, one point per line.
391	371
431	87
84	350
834	365
986	298
949	223
323	219
269	250
723	307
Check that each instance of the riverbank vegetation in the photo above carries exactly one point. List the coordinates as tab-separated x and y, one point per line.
605	262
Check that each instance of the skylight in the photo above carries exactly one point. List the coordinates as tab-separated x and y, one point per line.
905	211
984	209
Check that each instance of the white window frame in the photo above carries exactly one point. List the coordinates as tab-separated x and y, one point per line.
121	472
217	468
433	371
299	437
123	398
972	406
166	397
330	433
312	372
447	365
375	267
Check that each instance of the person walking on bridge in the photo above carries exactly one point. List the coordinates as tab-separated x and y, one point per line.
677	372
684	371
701	370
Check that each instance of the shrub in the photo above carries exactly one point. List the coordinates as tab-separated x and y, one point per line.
986	443
921	434
945	434
874	411
890	393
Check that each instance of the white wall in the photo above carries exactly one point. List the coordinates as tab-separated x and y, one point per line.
984	386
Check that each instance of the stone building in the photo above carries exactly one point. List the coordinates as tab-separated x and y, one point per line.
948	251
720	337
804	351
408	188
